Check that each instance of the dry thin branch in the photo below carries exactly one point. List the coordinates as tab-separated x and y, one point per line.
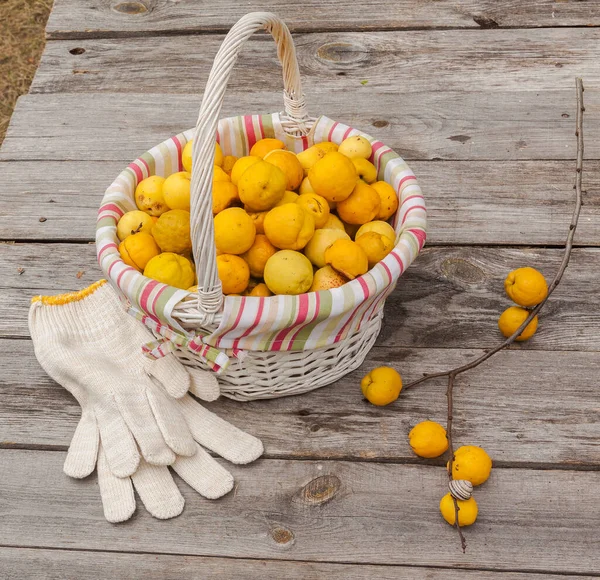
559	273
453	373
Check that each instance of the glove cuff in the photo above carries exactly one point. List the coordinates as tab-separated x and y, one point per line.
84	313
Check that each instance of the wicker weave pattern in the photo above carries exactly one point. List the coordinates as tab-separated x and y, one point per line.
271	374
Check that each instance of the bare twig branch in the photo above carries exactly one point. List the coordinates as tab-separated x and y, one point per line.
559	273
453	373
463	542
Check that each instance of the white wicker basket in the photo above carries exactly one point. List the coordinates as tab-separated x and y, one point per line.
276	346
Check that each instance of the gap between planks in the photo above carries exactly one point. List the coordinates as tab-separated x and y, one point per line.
181	564
529	465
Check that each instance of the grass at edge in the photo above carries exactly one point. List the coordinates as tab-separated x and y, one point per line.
22	41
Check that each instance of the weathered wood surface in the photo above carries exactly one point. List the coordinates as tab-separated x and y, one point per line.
73	19
418	61
497	106
468	202
40	564
450	297
532	409
483	125
278	511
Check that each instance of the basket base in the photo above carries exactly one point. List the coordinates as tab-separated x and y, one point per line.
272	374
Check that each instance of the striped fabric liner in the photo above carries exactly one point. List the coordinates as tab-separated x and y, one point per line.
276	323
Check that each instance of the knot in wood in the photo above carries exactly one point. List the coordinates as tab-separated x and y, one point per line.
462	270
130	7
282	536
341	53
320	490
380	123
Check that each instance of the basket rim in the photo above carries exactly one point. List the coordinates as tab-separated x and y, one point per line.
165	303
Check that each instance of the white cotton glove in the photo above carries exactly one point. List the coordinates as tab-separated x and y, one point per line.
154	483
88	343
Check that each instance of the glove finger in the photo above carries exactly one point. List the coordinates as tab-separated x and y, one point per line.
157	490
203	384
117	441
83	450
117	496
139	417
171	374
218	435
204	474
171	423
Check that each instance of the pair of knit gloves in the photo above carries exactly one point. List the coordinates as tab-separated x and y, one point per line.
137	417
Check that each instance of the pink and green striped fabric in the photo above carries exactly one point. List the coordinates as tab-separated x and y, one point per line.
307	321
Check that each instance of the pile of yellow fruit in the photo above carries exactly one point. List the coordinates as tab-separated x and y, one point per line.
284	223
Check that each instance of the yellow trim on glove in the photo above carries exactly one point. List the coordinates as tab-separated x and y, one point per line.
61	299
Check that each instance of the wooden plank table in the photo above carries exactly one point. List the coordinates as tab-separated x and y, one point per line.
479	96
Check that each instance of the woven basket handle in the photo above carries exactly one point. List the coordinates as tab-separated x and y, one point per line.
210	295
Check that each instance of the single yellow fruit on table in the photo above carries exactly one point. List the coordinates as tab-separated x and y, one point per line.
264	146
288	197
134	222
333	223
228	162
260	290
240	166
138	249
317	205
318	244
334	176
233	273
388	198
289	164
186	156
289	227
379	227
261	186
309	157
288	272
428	439
348	258
471	463
361	206
326	278
219	174
234	231
256	257
327	146
258	217
512	318
172	231
467	510
381	386
526	286
376	246
356	146
176	190
149	196
171	269
365	169
224	195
